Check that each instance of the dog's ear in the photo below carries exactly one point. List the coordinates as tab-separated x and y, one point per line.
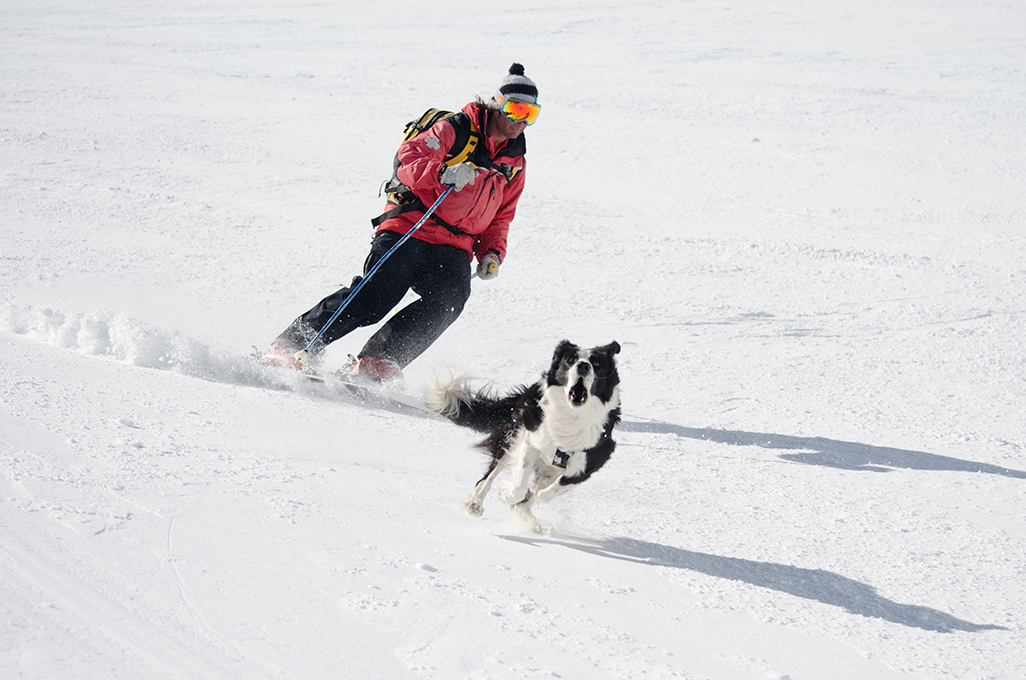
562	349
606	375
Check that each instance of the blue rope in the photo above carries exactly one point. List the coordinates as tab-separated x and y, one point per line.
302	354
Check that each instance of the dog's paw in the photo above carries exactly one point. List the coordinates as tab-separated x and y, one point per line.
473	508
510	496
552	491
531	522
548	493
541	528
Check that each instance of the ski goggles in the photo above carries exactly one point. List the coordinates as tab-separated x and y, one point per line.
520	112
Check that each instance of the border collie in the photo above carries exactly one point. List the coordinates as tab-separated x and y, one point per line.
551	435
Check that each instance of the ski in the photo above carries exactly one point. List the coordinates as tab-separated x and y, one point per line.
371	395
346	387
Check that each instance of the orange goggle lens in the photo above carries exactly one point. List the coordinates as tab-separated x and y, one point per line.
520	112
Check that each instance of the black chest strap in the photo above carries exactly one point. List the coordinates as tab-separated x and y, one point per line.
561	457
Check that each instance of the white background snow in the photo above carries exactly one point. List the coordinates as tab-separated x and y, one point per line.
803	220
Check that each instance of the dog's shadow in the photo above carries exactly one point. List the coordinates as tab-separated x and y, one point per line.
827	452
812	584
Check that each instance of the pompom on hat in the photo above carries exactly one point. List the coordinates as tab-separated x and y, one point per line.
517	87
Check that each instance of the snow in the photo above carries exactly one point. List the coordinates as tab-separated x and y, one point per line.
803	221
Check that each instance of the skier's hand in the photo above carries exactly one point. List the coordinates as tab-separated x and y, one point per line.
488	267
459	176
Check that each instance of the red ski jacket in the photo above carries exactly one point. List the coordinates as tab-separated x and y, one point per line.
482	211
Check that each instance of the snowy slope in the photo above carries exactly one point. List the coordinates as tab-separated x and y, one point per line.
803	221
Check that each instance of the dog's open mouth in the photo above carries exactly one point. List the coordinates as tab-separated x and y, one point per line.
578	393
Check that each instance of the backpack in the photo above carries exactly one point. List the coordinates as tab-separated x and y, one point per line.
463	148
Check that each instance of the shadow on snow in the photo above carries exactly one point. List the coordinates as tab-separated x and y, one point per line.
811	584
827	452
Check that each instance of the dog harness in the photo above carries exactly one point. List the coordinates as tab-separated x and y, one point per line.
560	458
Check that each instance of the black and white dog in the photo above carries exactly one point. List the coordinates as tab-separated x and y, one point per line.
552	435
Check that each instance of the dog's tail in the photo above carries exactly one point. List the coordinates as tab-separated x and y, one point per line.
450	395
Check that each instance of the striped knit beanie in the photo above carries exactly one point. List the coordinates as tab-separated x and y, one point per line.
517	87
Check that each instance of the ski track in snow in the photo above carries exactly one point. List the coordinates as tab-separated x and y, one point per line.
802	222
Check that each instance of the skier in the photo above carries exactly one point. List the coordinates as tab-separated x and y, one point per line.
435	262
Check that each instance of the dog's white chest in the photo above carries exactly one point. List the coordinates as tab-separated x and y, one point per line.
569	428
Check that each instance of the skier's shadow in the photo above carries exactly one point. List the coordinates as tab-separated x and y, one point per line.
827	452
812	584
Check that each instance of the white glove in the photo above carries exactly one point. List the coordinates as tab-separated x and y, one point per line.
488	267
460	175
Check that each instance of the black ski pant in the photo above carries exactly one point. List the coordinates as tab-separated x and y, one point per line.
439	274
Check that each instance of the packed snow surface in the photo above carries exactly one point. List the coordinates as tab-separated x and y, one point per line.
804	221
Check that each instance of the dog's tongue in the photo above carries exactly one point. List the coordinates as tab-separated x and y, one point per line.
578	393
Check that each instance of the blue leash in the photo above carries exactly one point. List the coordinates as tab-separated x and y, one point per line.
303	354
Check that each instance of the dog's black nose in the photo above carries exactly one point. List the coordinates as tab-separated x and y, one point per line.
583	368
